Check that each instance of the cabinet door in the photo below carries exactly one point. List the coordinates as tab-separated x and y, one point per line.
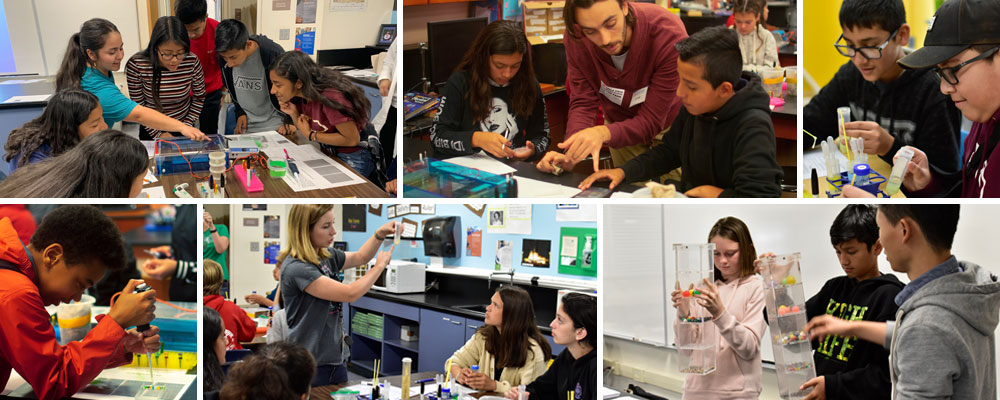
471	326
440	335
374	97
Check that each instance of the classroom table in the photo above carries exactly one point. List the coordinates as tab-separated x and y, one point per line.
273	187
784	118
323	392
416	147
876	163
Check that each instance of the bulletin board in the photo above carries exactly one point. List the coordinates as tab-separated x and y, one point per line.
574	253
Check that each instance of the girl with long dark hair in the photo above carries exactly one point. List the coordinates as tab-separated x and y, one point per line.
109	163
509	349
215	349
329	109
166	76
492	102
70	116
91	56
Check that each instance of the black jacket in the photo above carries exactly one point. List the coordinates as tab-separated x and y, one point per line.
454	125
567	374
269	51
854	368
912	109
732	148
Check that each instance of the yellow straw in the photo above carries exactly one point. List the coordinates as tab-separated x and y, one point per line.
812	136
843	131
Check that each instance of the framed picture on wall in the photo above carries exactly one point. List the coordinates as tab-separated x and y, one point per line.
386	34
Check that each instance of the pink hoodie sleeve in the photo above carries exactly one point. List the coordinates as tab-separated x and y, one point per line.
744	334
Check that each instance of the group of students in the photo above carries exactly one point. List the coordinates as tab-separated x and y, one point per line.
175	86
916	99
509	349
872	336
635	63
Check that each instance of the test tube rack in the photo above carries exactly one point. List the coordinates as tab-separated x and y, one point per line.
874	180
697	338
786	310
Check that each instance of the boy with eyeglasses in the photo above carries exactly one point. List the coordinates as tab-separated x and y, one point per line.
890	107
962	48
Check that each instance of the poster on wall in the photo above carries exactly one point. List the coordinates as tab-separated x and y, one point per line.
354	218
305	40
512	219
305	11
576	212
408	228
477	209
348	5
272	226
577	253
281	5
535	253
375	209
427	209
474	241
255	207
271	251
504	261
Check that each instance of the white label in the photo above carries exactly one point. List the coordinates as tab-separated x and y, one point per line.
614	94
638	97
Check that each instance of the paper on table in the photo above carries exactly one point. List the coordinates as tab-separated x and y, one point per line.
395	392
527	187
149	178
155	192
27	99
317	171
814	159
483	162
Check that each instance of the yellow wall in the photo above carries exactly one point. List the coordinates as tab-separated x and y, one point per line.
821	26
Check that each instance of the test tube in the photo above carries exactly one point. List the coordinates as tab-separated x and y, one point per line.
903	157
521	395
396	235
407	362
843	113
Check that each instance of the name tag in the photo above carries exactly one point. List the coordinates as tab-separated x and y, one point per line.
614	94
638	97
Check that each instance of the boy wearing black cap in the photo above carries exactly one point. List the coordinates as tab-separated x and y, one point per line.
962	48
890	107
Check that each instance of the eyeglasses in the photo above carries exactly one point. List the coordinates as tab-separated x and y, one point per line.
868	52
177	56
950	74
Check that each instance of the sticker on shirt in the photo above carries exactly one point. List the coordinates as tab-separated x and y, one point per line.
614	94
501	120
638	97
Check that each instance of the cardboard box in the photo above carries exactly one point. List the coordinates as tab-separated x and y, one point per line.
543	18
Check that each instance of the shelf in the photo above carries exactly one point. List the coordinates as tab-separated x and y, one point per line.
403	344
368	365
361	335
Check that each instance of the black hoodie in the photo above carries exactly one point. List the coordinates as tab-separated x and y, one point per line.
912	109
732	148
854	368
269	51
567	374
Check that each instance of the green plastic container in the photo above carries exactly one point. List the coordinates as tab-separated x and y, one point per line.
277	168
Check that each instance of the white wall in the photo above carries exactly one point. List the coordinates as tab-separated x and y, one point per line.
247	271
334	30
39	43
417	17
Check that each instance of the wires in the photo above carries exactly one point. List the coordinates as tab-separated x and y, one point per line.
254	159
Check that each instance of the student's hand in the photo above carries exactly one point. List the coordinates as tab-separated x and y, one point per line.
827	325
918	171
141	342
303	124
615	175
241	125
493	143
386	229
463	375
207	218
758	264
193	133
554	159
876	140
819	388
159	269
384	257
390	187
854	192
529	150
704	191
710	298
286	130
514	392
291	109
162	249
480	381
586	142
678	298
383	87
132	309
255	298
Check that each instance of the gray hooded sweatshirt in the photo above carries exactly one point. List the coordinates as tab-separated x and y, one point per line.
941	344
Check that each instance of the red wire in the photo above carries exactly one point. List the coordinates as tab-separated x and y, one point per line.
254	159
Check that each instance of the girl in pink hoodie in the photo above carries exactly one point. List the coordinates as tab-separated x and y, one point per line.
736	304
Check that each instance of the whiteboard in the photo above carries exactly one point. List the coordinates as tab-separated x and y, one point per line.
781	229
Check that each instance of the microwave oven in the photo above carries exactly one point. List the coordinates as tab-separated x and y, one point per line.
402	277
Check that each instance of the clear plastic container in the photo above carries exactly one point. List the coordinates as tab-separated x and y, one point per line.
903	157
786	310
74	319
697	338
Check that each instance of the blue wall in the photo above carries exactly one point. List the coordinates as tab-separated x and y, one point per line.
543	226
6	51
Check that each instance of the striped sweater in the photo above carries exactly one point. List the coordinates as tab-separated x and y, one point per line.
182	92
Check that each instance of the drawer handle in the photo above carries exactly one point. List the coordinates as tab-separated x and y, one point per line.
456	322
473	327
445	318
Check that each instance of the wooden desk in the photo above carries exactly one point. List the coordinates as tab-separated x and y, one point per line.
323	392
876	164
273	187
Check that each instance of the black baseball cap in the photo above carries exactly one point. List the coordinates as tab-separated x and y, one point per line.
956	26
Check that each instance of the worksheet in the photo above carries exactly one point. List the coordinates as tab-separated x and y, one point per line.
116	383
